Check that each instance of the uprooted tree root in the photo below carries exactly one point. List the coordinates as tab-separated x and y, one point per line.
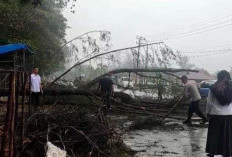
81	131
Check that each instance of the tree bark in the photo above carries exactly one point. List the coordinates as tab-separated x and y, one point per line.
51	91
62	91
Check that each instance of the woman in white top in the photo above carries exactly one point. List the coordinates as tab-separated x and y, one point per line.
219	110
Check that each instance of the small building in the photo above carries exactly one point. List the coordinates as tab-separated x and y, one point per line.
14	56
199	76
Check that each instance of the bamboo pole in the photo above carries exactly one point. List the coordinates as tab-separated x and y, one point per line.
173	108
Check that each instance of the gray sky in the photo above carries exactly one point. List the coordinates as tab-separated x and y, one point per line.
161	19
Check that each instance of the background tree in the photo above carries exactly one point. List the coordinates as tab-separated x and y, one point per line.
42	28
183	61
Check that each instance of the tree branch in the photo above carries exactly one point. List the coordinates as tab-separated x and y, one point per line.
98	55
93	82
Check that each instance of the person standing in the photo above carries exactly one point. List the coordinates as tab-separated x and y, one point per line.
219	111
106	86
191	91
36	87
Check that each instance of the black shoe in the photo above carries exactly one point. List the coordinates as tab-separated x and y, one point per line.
204	121
188	122
109	110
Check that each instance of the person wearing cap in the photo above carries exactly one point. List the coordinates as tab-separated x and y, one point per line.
36	87
106	85
191	92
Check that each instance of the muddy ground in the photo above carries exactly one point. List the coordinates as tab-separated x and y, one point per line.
150	138
171	140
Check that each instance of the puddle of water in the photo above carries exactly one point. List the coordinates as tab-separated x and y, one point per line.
188	142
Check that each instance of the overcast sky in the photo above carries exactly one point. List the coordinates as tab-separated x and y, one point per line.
160	20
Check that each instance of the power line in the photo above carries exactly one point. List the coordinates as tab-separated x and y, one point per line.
202	27
220	16
227	45
197	32
217	18
213	20
211	54
208	51
215	24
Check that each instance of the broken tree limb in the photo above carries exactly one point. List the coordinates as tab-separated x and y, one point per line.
96	80
173	108
102	54
79	38
142	108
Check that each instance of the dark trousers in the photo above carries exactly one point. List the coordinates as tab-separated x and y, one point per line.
106	99
35	99
219	139
194	108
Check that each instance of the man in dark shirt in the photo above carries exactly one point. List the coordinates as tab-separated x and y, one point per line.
107	89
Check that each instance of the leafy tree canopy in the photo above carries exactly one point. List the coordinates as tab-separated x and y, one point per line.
41	27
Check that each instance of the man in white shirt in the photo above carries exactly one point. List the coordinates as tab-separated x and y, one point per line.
191	91
36	87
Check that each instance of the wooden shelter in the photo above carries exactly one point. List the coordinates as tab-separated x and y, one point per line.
13	57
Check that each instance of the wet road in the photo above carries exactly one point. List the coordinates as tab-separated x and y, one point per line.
174	140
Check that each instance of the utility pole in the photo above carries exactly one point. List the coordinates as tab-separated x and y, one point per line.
147	58
138	53
141	40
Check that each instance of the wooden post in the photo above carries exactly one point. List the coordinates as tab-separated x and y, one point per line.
16	112
29	104
12	120
24	82
7	126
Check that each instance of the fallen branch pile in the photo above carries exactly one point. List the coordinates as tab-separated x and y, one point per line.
157	110
81	131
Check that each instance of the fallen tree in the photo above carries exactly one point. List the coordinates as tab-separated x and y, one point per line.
54	92
99	55
72	92
117	71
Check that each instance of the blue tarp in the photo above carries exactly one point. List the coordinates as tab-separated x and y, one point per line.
5	49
